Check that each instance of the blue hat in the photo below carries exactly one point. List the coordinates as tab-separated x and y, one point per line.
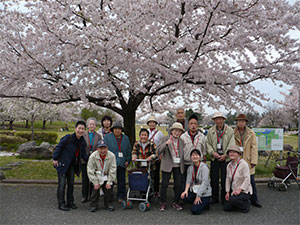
101	143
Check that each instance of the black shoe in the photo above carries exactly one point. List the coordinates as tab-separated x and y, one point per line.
256	204
84	200
93	209
214	201
72	206
64	208
245	210
110	208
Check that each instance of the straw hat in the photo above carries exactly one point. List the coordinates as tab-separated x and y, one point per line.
234	148
218	114
178	126
152	118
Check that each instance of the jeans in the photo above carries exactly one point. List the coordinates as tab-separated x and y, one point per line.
184	177
254	191
108	194
240	201
216	167
156	176
64	179
121	194
198	208
165	183
86	188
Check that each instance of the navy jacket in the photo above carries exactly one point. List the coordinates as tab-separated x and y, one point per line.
65	151
113	147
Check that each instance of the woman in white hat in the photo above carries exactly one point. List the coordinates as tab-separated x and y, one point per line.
238	186
171	149
155	136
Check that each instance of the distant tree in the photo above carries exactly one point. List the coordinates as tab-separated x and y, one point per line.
189	112
230	118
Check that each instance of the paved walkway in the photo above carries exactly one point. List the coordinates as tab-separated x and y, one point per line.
37	204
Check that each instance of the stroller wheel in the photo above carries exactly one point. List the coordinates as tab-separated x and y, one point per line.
270	184
123	205
148	205
142	206
129	204
282	187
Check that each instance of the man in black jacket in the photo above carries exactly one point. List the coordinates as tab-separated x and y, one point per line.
66	160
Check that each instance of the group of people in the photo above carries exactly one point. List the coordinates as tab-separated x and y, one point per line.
104	156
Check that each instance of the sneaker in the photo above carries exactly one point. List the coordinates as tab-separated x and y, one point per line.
177	206
93	209
162	207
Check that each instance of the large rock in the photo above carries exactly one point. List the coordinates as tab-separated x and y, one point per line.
45	145
25	146
29	150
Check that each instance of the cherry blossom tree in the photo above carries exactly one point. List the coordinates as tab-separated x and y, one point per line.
129	55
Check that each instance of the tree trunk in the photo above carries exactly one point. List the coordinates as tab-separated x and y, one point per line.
11	124
32	130
44	124
129	125
26	124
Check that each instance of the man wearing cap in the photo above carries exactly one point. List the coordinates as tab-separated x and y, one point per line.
102	173
171	149
155	136
193	139
219	138
119	144
245	138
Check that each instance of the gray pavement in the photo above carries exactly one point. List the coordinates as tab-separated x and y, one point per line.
37	204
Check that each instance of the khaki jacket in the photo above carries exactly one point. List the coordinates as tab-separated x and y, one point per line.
167	160
110	167
250	154
211	140
241	178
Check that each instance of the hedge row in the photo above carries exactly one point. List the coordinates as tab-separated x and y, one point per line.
6	139
39	136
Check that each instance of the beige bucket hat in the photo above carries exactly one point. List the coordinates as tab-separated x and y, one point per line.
152	118
218	114
178	126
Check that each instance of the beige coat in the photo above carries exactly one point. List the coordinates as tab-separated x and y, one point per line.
167	160
199	143
241	178
211	140
250	154
110	167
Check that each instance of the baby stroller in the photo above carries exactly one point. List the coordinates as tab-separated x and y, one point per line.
286	173
140	184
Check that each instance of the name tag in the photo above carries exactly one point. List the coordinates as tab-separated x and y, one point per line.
176	160
144	164
219	146
104	178
120	154
242	149
196	188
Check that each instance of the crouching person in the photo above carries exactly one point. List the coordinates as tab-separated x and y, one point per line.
238	186
197	188
102	171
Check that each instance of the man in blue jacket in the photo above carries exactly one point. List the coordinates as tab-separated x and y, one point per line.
66	160
119	144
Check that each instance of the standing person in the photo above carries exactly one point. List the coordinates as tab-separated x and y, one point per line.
155	136
106	123
66	160
102	171
246	139
193	139
180	118
219	138
171	149
197	188
119	144
91	138
238	187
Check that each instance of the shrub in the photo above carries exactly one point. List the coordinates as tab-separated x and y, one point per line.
39	136
6	139
7	132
